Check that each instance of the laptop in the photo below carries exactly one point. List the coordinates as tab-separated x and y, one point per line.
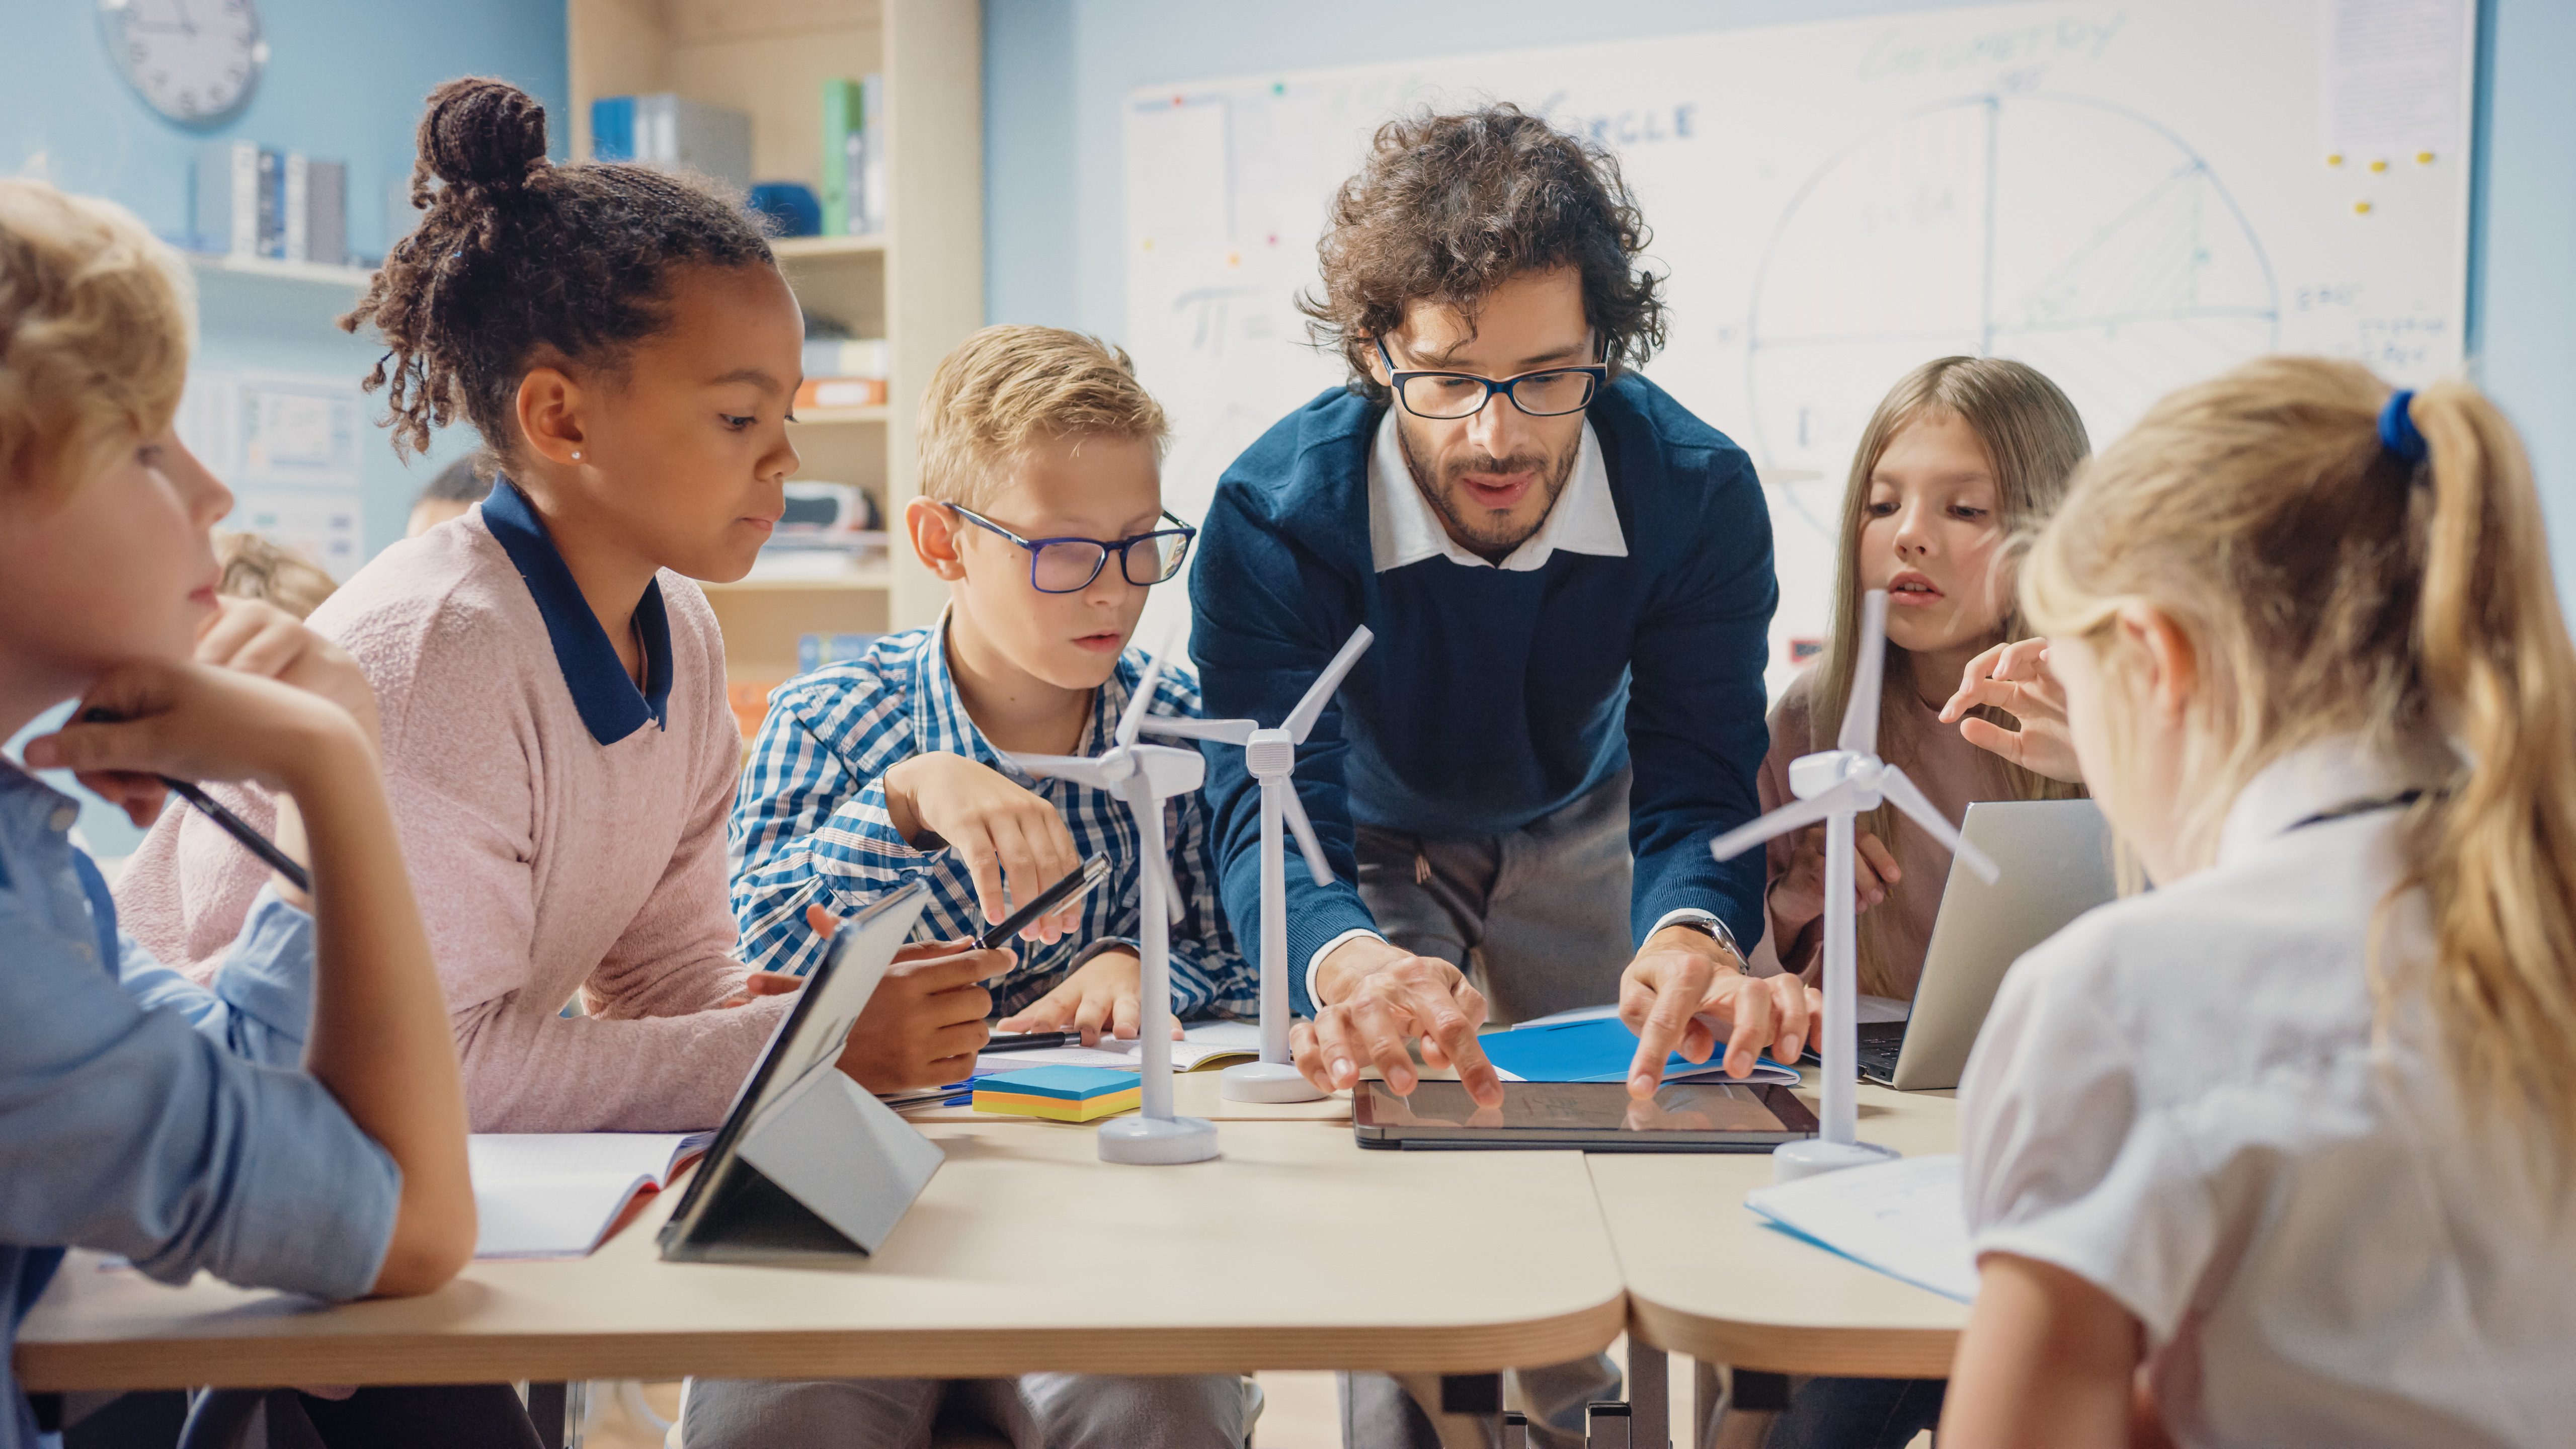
2056	859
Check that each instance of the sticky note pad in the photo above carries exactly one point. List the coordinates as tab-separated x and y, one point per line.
1061	1094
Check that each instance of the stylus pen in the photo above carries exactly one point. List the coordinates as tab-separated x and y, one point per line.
1031	1042
233	825
1075	882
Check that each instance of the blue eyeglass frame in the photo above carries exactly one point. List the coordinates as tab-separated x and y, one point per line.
1395	381
1107	547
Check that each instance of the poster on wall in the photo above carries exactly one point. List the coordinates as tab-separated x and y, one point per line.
288	447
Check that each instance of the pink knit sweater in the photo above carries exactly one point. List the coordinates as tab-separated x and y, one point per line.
545	862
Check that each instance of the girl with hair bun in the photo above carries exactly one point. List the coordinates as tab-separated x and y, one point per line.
2286	1143
557	741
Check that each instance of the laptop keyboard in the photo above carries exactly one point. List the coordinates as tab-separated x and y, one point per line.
1881	1043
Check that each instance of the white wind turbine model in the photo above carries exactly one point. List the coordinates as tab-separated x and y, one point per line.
1271	758
1836	786
1144	776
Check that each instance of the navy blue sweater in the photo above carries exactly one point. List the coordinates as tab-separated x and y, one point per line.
1493	697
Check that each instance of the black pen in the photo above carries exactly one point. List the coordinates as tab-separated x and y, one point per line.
213	809
1075	882
1031	1042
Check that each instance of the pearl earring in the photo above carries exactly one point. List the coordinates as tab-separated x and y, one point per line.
576	457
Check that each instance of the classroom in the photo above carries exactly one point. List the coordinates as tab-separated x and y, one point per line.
1125	724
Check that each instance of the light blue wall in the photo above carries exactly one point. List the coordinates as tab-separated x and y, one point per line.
345	80
1055	72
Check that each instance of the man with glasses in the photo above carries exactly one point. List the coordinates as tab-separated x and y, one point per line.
1570	579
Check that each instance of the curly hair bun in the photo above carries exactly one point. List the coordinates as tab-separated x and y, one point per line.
482	133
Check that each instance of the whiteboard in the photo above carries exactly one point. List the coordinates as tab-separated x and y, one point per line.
2128	196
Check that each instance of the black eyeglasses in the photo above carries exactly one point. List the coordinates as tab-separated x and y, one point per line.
1068	565
1448	396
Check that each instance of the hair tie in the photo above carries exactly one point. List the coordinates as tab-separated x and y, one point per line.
2397	429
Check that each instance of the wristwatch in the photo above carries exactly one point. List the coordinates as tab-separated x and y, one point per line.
1715	930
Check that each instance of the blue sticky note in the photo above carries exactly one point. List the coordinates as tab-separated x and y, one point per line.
1576	1051
1071	1084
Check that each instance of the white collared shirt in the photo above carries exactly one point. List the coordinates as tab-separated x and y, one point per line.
2192	1100
1403	529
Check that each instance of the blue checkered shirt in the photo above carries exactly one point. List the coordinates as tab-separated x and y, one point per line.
810	825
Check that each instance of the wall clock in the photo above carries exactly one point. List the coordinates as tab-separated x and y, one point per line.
195	61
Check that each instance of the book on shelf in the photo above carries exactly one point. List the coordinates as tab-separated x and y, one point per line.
253	201
847	357
813	651
842	392
671	131
854	156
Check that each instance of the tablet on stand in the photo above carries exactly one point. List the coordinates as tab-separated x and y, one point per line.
810	1169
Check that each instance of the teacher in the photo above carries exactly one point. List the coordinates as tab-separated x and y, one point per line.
1570	578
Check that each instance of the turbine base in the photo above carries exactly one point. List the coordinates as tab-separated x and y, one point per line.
1157	1141
1793	1160
1266	1082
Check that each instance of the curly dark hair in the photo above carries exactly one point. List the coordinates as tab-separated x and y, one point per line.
1450	207
519	258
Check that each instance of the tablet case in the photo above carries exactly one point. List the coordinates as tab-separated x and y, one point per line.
819	1173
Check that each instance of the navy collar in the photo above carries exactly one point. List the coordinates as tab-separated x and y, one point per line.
610	704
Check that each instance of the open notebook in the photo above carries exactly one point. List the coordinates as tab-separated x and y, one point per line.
1904	1218
556	1194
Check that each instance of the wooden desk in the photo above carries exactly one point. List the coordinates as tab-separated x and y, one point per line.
1194	1094
1710	1278
1296	1250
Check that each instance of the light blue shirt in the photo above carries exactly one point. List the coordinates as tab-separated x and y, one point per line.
145	1115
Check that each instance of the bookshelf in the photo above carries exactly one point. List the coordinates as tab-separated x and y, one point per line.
920	285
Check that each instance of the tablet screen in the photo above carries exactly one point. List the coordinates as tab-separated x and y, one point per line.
1586	1114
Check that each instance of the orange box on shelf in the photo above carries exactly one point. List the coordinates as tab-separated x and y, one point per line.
750	701
842	392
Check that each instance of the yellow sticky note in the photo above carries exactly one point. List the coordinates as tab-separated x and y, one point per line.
2361	208
2380	164
2334	158
2423	158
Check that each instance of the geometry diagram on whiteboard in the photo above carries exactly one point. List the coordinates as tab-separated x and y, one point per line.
2081	238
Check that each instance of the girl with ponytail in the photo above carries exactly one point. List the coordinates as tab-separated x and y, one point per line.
2284	1145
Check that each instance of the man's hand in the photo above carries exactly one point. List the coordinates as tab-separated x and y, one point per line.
1102	994
1000	830
1798	896
262	639
2014	678
1375	998
925	1021
1682	976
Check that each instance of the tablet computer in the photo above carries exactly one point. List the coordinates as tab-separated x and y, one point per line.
809	1167
1583	1116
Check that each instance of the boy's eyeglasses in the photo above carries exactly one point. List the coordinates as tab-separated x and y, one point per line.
1068	565
1448	396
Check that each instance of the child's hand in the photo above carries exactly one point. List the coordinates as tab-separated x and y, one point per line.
1798	896
1000	830
1103	993
2014	678
194	723
265	640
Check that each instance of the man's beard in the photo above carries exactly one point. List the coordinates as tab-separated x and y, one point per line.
1481	531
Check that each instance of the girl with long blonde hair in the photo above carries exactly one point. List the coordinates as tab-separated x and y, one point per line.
2292	1132
1962	452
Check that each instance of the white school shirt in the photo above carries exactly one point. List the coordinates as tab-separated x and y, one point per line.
2179	1099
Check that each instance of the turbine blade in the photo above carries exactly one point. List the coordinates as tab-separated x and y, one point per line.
1901	792
1142	802
1304	829
1320	693
1225	731
1143	699
1081	769
1860	717
1795	815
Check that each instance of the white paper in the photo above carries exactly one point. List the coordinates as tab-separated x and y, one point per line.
2394	75
554	1194
1199	1043
1903	1218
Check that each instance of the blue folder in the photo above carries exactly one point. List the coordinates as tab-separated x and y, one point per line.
1598	1051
